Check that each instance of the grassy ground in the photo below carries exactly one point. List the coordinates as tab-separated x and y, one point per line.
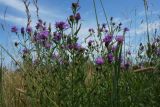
139	89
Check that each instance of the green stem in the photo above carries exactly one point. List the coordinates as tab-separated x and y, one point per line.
116	75
105	15
146	16
11	57
96	15
1	90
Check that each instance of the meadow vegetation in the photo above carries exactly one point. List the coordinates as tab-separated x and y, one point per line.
55	70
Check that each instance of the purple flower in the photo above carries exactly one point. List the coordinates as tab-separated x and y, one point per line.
158	51
16	44
77	17
75	5
99	61
119	39
25	51
126	65
126	29
100	29
114	48
70	46
47	45
120	24
22	30
111	18
157	40
71	18
106	30
57	36
129	52
77	46
14	29
61	25
107	39
43	35
103	25
28	29
110	57
91	30
90	42
39	24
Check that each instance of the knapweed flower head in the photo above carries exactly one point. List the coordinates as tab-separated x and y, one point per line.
78	47
29	29
157	40
111	19
77	17
39	24
119	39
99	61
91	30
158	52
75	6
106	31
153	45
25	51
47	45
14	29
114	48
110	57
57	36
100	29
129	52
70	46
75	47
126	29
103	25
22	30
16	44
90	42
141	47
61	25
43	35
126	65
72	18
113	23
120	24
107	39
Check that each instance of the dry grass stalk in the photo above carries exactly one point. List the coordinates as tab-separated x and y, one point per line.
149	69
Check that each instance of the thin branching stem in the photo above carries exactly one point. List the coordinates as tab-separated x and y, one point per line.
96	15
146	16
105	15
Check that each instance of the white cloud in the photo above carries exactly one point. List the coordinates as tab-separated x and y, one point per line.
43	11
16	4
142	28
149	13
14	19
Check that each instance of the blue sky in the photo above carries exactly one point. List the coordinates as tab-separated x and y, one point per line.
57	10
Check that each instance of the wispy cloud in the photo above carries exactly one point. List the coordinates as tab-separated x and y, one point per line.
19	7
149	13
142	28
16	4
14	19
